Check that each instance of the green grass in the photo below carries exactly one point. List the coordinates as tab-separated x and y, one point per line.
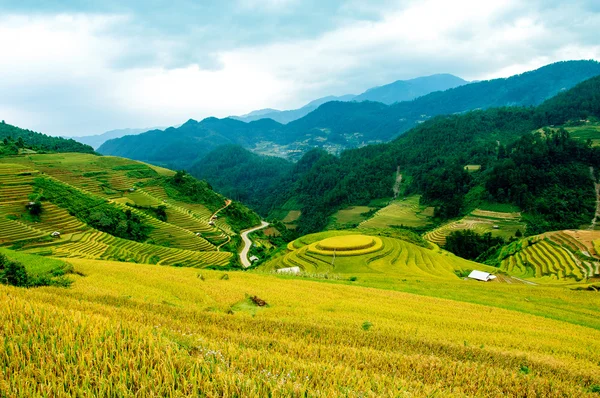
349	217
499	207
586	132
404	212
35	265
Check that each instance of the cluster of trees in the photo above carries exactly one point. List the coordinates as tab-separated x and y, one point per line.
94	211
14	273
548	176
14	138
471	245
185	187
240	174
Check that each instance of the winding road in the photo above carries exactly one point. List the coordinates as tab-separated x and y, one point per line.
248	243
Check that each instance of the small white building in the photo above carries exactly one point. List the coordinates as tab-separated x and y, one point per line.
253	259
198	234
291	270
481	276
55	234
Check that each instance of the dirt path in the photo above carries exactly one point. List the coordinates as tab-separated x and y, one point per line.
213	217
397	182
597	214
248	243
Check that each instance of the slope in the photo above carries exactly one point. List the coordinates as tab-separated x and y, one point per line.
14	140
550	170
114	208
124	329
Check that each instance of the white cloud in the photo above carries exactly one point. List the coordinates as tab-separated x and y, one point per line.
61	74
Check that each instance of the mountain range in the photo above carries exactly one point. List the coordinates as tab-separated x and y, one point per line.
400	90
335	126
95	141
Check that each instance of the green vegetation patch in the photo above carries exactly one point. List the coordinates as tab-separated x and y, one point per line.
94	211
26	270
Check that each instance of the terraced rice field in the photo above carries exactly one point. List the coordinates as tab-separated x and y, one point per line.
313	254
405	212
480	221
556	256
185	239
131	329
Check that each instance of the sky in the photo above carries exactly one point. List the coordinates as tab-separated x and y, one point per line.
85	67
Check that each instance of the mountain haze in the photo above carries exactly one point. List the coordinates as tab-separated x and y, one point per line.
406	90
400	90
95	141
336	126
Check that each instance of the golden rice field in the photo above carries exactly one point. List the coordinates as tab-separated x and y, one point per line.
186	238
554	256
481	221
142	330
349	252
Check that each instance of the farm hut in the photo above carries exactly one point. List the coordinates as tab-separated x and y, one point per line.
198	234
131	189
55	234
291	270
211	222
29	204
253	258
496	227
481	276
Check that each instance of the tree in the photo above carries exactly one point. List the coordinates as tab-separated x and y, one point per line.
12	272
34	208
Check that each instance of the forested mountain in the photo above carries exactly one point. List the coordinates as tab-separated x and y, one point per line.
181	147
240	174
539	173
406	90
14	139
336	125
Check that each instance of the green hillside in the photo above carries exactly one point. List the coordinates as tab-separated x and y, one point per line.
336	126
14	140
545	175
117	209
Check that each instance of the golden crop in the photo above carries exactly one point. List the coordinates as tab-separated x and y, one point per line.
133	329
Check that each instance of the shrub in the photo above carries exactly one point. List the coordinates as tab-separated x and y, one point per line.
13	273
366	325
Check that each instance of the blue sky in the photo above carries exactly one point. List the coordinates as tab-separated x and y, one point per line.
82	67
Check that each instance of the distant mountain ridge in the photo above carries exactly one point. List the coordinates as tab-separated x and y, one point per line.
335	126
95	141
407	90
400	90
285	117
